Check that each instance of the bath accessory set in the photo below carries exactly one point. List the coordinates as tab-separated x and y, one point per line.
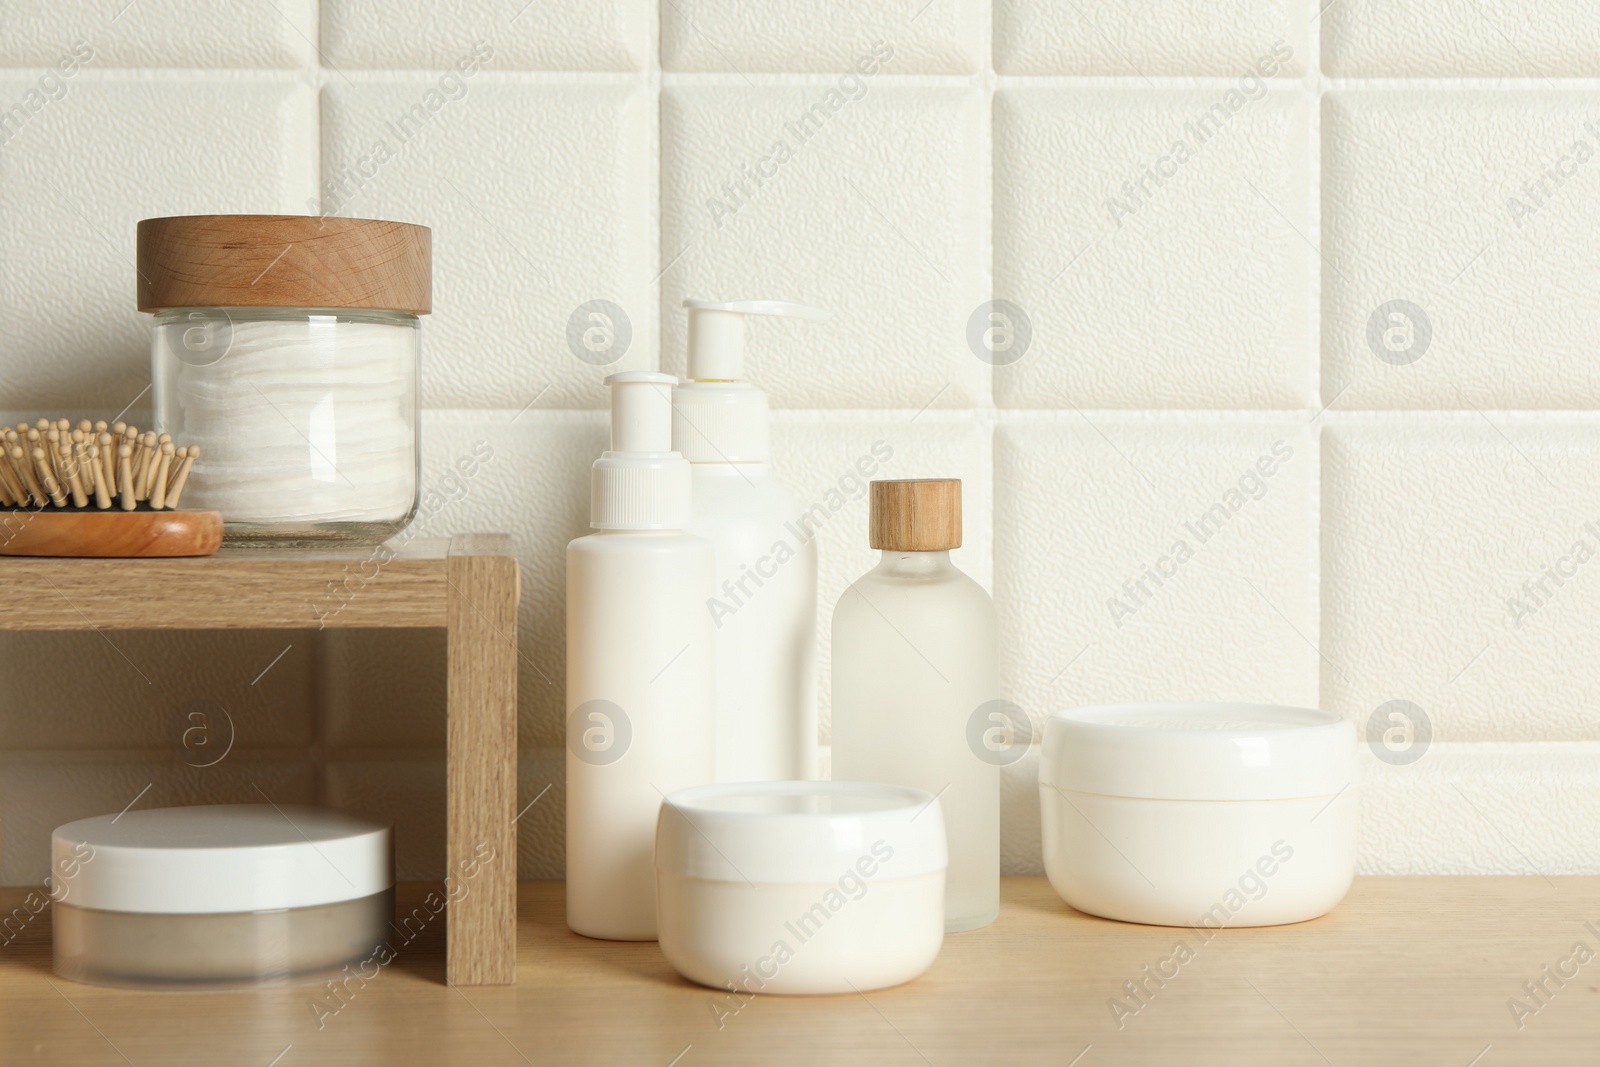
285	353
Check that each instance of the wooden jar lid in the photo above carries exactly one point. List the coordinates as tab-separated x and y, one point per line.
200	261
916	515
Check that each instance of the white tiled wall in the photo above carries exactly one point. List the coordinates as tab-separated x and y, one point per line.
1201	251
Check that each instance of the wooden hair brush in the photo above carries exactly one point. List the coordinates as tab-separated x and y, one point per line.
98	490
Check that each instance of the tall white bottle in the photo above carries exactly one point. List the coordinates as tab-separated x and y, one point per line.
915	656
641	669
764	606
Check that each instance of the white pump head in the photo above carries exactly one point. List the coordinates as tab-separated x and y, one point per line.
718	417
640	483
717	334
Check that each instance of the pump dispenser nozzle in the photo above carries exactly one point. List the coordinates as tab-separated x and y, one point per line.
717	334
640	483
718	417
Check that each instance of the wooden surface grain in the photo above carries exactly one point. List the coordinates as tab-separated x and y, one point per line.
1408	971
481	753
237	588
915	514
109	534
294	261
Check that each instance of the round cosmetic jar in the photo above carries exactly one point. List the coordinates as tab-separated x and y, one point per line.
286	350
800	887
224	897
1202	815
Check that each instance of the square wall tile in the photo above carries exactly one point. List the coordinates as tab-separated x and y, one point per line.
383	688
195	694
172	33
41	791
519	34
793	36
826	462
1141	562
541	199
1457	229
409	793
526	475
76	176
871	206
1457	575
1021	844
1157	243
1140	40
1475	809
1460	38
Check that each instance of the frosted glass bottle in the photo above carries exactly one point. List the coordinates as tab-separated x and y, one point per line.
915	654
641	667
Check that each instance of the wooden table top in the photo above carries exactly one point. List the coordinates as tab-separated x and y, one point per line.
1406	971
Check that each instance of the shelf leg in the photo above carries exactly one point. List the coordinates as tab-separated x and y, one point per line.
482	756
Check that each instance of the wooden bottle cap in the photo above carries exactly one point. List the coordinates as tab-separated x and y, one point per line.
916	515
201	261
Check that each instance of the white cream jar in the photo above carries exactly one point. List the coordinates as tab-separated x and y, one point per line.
219	897
1209	815
800	887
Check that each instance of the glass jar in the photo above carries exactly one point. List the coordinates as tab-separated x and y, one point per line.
285	355
306	418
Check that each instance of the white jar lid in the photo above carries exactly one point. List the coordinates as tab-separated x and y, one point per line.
1199	751
793	833
220	858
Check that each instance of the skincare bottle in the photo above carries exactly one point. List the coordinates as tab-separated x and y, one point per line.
915	656
641	671
764	606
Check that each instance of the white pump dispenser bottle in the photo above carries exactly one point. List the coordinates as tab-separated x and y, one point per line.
641	675
764	607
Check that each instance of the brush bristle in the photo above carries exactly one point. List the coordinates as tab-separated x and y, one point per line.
91	467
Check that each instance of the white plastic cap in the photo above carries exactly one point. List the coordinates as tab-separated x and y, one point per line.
718	417
220	858
1199	752
799	833
640	483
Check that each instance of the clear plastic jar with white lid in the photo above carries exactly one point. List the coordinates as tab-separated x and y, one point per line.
298	387
220	897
